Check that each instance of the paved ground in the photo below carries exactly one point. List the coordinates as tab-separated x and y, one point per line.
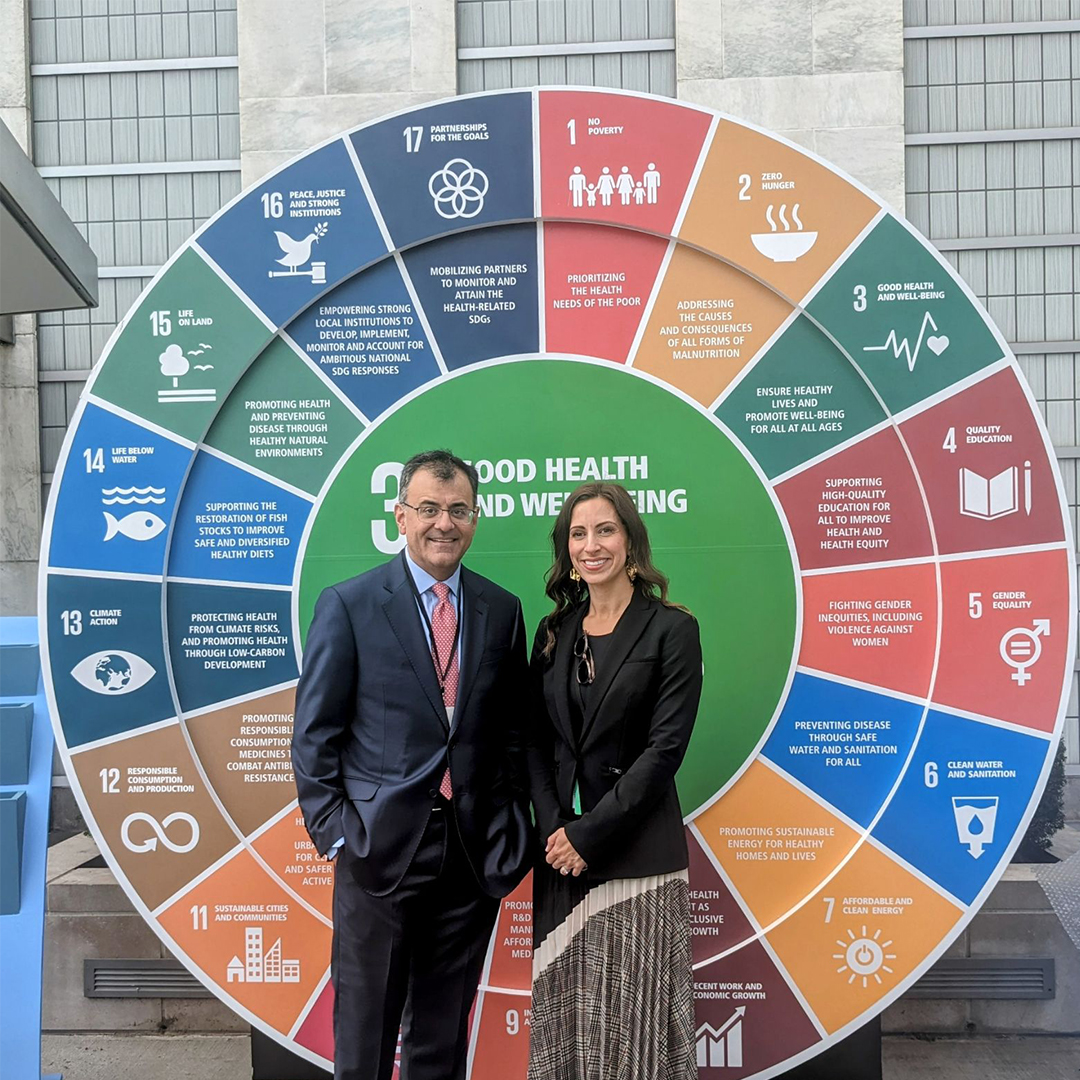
136	1057
1005	1058
228	1057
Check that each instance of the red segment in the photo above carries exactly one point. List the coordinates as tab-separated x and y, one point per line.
984	465
1008	662
858	506
511	956
716	920
875	626
502	1042
597	317
317	1031
588	140
747	1017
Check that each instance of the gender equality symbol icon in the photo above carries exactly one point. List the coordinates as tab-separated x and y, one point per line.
776	366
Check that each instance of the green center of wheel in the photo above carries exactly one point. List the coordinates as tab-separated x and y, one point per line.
537	428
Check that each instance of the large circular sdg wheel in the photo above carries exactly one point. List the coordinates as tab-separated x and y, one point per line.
840	465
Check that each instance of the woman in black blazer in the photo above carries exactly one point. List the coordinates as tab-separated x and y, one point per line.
616	681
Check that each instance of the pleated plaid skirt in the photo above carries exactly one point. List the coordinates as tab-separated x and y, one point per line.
612	986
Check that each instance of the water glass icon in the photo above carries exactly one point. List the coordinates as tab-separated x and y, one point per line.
975	817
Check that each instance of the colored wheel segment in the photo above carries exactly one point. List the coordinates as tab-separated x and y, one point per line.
841	469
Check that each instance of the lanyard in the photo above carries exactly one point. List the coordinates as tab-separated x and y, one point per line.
440	672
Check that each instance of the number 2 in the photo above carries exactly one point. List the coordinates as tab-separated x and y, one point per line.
744	180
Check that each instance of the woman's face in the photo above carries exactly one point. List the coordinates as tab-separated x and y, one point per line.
597	541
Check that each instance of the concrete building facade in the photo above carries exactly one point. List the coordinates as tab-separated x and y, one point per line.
145	116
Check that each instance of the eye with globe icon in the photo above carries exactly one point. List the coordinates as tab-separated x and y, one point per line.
113	672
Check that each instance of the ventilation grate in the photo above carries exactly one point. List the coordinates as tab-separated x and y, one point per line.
107	978
1022	979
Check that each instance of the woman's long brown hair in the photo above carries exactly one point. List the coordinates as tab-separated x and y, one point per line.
567	593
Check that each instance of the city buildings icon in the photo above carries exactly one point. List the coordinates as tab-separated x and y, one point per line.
259	966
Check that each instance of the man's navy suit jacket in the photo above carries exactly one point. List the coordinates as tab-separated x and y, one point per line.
372	740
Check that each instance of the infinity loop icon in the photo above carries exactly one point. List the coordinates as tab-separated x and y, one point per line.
159	827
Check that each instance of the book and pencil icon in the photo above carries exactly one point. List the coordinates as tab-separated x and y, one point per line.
992	497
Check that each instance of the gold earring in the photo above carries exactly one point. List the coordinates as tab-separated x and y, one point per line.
574	575
631	571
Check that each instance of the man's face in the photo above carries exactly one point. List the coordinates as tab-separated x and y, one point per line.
436	545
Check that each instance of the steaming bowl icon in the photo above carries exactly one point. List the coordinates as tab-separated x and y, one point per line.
784	247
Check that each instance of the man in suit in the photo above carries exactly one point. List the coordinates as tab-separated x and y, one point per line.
410	769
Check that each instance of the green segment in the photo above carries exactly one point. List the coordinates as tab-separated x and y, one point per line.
802	398
283	419
183	348
714	529
903	318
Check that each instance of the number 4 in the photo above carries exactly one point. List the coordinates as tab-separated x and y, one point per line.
950	441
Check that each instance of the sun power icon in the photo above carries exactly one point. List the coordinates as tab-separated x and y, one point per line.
864	957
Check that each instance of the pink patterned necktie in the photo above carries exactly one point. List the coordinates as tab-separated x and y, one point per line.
444	630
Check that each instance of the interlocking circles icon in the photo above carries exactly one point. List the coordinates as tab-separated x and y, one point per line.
458	189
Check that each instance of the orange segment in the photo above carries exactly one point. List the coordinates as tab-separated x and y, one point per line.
763	830
259	945
288	851
708	322
773	210
869	928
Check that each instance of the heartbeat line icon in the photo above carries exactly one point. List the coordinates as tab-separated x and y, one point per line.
936	343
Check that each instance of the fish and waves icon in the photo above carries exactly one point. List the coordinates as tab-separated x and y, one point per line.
140	495
139	524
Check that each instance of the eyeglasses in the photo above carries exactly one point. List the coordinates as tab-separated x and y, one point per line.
460	515
586	668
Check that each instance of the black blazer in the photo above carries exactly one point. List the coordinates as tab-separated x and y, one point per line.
641	714
371	738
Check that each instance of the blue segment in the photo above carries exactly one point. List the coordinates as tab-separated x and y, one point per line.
429	179
116	496
255	623
235	526
326	231
108	670
846	744
366	337
960	803
479	292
